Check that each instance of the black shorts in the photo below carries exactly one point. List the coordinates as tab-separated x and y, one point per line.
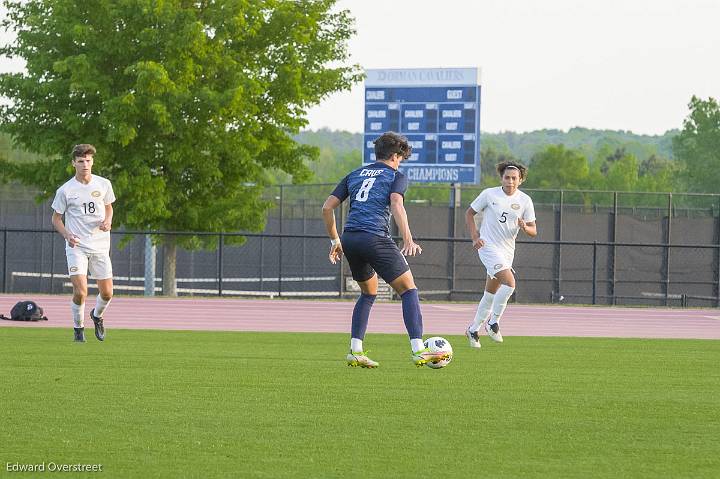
368	253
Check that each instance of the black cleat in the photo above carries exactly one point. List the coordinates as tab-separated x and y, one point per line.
79	335
99	327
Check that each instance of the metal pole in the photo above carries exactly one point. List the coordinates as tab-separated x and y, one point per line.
454	200
52	263
717	282
280	251
281	208
557	249
560	238
129	260
717	259
150	257
302	267
594	273
262	262
342	269
40	266
613	239
220	264
280	242
5	257
667	251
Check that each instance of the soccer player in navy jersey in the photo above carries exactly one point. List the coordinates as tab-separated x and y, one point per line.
374	191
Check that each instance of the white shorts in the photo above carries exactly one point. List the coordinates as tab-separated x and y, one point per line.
495	260
80	260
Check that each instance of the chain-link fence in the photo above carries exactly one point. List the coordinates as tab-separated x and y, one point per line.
593	247
274	265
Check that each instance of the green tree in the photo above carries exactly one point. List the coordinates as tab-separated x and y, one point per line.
697	147
657	174
558	167
621	173
190	104
620	170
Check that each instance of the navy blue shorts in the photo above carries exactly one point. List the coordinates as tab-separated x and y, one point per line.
368	253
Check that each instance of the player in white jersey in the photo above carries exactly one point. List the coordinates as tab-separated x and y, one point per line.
506	211
86	201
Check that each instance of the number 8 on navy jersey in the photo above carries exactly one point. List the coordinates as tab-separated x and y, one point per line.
364	191
369	188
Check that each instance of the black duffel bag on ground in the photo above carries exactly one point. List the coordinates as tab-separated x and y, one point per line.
25	311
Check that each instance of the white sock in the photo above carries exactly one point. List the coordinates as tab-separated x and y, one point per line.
500	302
100	306
416	344
356	345
78	314
483	310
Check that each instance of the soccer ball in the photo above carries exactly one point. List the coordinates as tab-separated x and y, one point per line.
436	343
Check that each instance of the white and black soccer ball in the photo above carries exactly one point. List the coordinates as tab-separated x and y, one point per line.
436	343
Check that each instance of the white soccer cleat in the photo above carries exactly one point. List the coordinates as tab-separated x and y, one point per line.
494	332
473	338
355	359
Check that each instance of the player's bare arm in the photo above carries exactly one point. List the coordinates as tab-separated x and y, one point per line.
472	228
57	222
106	225
528	227
328	213
397	206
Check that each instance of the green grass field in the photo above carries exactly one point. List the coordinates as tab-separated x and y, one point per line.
228	404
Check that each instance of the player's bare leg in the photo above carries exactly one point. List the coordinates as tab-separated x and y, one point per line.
502	286
105	287
77	306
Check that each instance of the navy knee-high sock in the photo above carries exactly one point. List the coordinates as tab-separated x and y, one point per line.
411	313
361	314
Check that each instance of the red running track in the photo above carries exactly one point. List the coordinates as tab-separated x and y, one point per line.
226	314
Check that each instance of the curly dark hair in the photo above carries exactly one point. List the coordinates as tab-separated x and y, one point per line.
390	143
502	166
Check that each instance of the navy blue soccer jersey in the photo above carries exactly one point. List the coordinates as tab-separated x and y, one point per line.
369	189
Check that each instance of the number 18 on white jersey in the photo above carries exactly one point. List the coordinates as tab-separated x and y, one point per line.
84	208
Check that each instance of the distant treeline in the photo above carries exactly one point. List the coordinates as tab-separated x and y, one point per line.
524	145
580	158
679	161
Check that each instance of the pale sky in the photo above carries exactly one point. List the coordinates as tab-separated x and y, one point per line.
605	64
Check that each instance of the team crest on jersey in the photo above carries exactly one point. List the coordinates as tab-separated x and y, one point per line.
96	194
515	206
498	266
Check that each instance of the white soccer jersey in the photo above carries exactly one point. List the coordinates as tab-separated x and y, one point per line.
84	210
499	226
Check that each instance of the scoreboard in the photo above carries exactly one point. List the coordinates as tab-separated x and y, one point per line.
438	110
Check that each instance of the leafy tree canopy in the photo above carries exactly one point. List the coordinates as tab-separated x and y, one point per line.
190	104
697	147
558	167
